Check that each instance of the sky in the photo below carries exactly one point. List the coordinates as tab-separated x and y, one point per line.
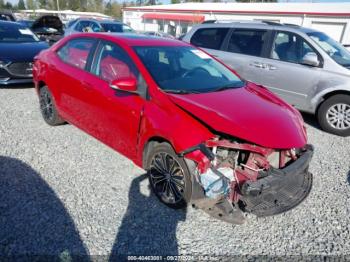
295	1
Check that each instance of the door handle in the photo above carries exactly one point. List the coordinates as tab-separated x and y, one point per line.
257	64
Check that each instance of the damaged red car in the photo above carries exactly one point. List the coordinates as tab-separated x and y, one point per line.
206	137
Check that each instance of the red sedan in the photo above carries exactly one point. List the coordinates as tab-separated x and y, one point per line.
205	136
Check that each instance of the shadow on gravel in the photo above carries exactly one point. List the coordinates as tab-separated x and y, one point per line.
33	221
348	177
17	86
311	120
148	226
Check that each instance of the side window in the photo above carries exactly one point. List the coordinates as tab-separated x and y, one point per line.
114	63
209	37
76	52
95	27
290	47
81	26
247	42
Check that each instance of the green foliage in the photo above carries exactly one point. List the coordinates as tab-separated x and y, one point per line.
257	1
21	5
30	4
8	6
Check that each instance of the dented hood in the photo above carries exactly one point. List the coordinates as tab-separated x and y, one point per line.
250	113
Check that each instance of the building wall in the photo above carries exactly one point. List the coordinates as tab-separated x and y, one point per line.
336	27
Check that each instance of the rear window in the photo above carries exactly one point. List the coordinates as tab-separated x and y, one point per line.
209	37
76	52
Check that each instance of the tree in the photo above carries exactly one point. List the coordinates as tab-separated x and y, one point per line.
175	1
113	9
256	1
21	5
8	6
74	5
30	4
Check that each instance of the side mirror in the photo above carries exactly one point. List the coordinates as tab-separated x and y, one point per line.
310	59
127	84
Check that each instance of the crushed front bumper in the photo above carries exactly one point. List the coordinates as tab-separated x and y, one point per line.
278	190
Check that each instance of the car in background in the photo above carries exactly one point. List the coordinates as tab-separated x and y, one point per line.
204	135
26	22
158	34
48	27
93	25
303	66
7	16
18	47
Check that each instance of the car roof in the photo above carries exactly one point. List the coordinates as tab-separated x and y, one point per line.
132	39
255	25
3	22
102	21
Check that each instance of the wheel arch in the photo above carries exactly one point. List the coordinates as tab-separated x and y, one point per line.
152	141
39	85
329	95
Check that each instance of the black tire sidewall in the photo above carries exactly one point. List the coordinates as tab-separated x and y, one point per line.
322	112
56	119
166	148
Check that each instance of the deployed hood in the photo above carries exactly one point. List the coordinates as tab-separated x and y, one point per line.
251	113
21	52
47	23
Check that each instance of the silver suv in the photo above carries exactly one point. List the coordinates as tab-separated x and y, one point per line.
305	67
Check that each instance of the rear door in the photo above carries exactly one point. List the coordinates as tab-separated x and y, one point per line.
239	48
244	50
70	77
283	72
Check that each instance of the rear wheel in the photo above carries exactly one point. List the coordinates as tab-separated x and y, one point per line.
334	115
48	108
169	176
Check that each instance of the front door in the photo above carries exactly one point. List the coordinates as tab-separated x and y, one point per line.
283	72
114	115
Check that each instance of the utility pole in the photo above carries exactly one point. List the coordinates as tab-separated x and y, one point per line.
58	8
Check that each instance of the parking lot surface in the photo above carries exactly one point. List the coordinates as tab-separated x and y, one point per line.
63	192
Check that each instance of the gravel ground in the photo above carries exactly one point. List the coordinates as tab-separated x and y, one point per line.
63	192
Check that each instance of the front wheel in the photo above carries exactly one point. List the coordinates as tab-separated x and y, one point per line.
168	176
334	115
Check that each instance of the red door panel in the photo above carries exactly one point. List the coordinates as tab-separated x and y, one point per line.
114	116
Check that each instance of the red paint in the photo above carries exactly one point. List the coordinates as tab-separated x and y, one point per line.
127	84
251	113
190	18
267	12
126	121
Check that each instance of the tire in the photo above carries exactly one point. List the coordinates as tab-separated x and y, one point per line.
48	108
334	115
168	176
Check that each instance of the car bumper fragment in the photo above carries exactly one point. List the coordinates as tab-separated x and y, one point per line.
278	190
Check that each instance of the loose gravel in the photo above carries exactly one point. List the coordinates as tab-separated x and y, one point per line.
62	192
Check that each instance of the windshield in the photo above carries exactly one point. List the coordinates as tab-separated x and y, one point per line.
16	33
116	28
184	69
335	50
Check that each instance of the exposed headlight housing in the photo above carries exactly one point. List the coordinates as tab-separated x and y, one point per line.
2	64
